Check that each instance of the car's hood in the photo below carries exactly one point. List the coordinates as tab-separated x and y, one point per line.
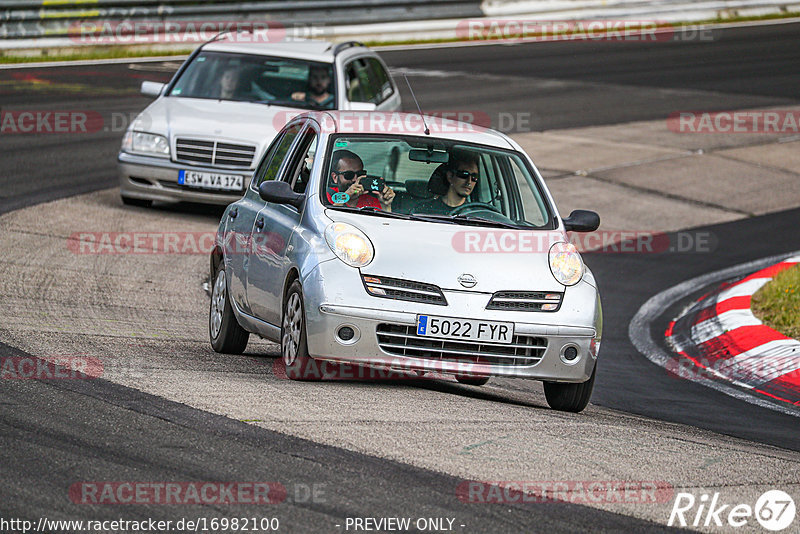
214	119
438	253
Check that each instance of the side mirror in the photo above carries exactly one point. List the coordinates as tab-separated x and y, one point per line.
152	88
582	221
362	106
280	193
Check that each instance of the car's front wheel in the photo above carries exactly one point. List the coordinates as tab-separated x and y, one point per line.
226	334
294	348
569	397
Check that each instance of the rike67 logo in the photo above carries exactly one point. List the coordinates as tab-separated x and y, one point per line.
774	510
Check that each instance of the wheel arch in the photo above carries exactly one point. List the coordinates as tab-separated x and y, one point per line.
216	259
291	276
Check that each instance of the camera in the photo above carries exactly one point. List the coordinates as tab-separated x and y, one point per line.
373	183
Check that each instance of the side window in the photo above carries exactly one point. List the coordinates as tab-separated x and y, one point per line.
361	87
381	79
258	176
302	172
272	161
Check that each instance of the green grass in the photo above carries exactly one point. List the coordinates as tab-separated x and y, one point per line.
777	304
105	53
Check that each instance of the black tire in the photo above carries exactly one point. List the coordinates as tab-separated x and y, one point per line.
294	347
226	335
472	380
569	397
137	202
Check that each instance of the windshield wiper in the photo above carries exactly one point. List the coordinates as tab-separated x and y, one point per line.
291	104
480	221
372	210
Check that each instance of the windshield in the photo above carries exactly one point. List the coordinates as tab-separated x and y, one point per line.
251	78
433	179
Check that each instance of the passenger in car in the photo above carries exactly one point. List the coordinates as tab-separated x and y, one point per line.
318	92
229	84
453	184
347	170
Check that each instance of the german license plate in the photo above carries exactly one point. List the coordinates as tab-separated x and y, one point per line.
208	180
464	329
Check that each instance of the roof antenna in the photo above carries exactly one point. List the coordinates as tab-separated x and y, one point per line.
427	130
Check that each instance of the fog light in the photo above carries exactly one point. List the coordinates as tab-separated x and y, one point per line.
570	354
346	333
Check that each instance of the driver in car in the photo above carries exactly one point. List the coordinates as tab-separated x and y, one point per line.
461	176
319	85
347	170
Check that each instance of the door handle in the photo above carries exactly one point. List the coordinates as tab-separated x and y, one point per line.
260	224
233	213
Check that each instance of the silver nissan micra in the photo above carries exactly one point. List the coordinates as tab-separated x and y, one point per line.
407	242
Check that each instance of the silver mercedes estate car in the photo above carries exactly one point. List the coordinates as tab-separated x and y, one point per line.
407	242
202	137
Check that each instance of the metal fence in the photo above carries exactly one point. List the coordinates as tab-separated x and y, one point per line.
31	19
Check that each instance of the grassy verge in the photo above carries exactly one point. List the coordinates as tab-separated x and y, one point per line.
777	304
127	52
106	53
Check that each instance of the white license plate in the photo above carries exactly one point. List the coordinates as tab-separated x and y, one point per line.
464	329
208	180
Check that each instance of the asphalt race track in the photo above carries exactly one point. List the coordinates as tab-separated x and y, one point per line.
192	418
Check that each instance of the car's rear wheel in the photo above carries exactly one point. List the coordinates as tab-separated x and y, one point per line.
569	397
227	336
294	348
472	380
138	202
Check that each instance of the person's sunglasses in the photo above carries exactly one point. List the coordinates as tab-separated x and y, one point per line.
350	175
466	175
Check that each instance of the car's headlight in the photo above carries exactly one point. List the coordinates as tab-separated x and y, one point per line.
349	244
145	143
566	263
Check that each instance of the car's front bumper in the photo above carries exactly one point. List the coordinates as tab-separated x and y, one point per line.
152	178
327	312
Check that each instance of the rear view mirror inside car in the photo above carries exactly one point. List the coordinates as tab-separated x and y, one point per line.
428	155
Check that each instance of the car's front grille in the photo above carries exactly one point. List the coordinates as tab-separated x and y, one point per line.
395	288
198	151
402	340
525	301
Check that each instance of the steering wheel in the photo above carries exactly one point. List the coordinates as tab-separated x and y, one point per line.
474	206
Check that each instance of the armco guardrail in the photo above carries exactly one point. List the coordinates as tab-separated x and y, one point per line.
37	27
31	19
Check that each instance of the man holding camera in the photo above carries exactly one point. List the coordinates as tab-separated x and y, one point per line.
353	187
